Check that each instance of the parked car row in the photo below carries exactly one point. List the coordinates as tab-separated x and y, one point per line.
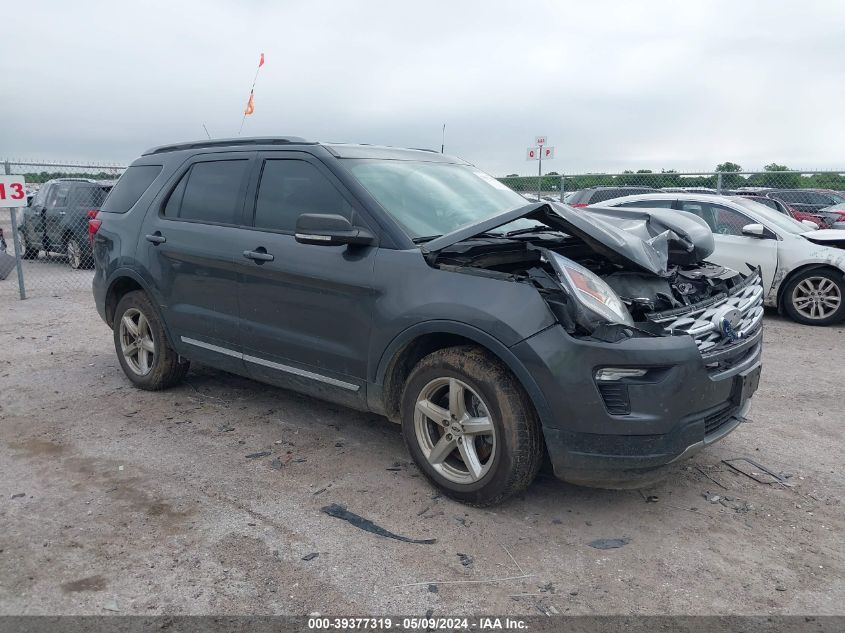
824	208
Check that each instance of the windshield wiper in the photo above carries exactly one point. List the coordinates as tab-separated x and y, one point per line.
426	238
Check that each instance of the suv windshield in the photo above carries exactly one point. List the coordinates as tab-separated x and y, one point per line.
432	199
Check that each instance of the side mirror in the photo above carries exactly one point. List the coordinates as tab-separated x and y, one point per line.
810	224
754	230
330	230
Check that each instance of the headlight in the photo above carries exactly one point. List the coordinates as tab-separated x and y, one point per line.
591	293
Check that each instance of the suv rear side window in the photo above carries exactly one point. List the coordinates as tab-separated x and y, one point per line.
130	187
90	196
289	188
209	192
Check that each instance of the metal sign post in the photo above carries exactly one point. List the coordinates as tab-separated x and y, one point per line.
538	153
13	195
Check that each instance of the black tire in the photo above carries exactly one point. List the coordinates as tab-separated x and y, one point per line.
27	251
166	368
798	299
78	251
516	454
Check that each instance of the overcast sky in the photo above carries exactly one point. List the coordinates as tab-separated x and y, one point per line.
614	85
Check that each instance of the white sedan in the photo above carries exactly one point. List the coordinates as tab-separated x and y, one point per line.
803	269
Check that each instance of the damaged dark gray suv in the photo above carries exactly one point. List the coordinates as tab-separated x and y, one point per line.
411	284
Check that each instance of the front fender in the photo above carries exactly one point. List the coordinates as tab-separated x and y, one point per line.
438	326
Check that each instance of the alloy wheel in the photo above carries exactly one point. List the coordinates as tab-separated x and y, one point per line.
454	430
136	341
74	253
816	298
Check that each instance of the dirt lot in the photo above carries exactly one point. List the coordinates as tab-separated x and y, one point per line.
118	500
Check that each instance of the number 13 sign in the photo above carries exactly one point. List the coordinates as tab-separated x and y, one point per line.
12	191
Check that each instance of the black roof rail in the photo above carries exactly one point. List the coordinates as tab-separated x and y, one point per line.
229	142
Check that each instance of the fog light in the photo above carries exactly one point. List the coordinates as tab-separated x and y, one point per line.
609	374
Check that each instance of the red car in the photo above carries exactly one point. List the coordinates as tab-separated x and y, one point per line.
822	219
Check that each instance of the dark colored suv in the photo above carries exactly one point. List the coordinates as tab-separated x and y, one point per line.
56	221
594	195
413	285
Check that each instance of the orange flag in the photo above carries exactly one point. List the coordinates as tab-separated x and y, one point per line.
250	106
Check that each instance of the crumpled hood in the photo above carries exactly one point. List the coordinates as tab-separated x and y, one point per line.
648	239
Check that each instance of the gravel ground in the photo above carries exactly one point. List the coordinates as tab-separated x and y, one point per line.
119	500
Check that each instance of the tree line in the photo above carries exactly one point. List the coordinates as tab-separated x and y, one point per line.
44	176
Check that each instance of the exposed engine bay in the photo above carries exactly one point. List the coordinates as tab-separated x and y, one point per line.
595	291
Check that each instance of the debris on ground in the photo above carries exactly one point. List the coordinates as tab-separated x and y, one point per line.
433	589
18	495
276	464
259	454
549	587
652	499
466	561
339	512
718	483
609	543
310	556
764	476
111	605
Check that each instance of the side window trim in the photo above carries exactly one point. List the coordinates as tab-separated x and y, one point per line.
184	172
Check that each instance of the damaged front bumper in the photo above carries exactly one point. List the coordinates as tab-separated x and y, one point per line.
625	432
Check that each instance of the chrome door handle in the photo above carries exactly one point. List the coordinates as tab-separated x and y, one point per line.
156	238
259	256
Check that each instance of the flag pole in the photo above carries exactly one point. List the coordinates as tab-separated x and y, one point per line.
251	90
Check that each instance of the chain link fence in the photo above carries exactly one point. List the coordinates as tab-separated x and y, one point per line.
815	196
49	237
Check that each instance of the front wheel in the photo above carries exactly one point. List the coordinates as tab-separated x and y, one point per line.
815	297
28	251
470	427
142	347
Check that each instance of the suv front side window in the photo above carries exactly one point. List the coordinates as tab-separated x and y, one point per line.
58	196
289	188
210	192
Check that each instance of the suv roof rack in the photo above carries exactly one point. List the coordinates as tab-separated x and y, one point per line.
228	142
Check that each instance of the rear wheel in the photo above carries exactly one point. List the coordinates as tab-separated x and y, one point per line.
78	255
470	427
142	347
815	297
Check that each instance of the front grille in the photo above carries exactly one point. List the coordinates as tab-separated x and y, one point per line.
615	396
717	420
704	321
